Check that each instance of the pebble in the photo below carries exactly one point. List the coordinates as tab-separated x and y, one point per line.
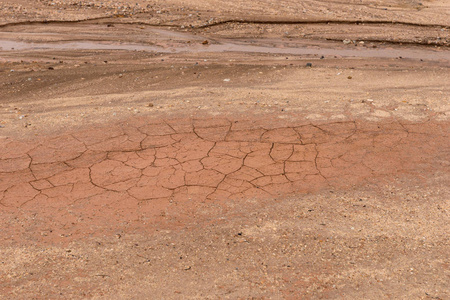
227	80
309	65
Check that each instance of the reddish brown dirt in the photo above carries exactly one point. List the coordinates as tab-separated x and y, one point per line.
248	149
188	183
144	170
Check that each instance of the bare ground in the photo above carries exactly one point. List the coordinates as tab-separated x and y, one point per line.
224	149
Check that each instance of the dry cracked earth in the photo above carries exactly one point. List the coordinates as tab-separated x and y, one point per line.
249	149
150	166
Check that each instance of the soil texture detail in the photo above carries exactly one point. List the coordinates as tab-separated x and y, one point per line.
232	149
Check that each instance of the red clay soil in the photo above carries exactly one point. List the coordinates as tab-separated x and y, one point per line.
142	171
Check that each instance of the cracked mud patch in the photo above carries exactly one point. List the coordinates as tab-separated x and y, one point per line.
166	171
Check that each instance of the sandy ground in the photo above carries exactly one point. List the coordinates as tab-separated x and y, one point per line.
224	149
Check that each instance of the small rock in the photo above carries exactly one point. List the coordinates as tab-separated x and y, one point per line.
226	79
205	42
349	77
150	105
347	41
309	65
120	75
51	68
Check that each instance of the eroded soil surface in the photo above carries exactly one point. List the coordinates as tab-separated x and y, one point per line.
224	149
